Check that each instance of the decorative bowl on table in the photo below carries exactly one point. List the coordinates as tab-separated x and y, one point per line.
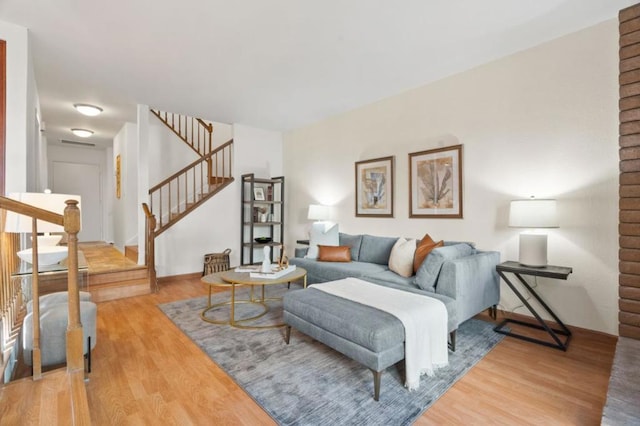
47	255
263	240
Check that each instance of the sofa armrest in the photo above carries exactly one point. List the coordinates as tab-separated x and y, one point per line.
472	281
301	251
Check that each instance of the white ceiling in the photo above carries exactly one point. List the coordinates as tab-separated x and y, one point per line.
276	64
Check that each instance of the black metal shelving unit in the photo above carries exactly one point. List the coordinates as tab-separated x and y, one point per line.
253	224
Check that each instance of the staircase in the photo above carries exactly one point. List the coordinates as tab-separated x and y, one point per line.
179	194
184	191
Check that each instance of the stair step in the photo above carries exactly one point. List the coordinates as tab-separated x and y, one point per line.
106	286
131	253
102	278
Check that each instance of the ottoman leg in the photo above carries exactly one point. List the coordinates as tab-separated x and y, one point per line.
452	341
376	384
287	334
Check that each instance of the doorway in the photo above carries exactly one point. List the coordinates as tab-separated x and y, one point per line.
84	180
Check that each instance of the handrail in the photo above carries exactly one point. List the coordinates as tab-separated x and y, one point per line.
188	131
29	210
174	197
191	166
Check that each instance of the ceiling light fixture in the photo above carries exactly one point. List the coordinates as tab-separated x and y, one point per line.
86	109
82	133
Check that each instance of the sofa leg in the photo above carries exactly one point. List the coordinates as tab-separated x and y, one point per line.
287	334
493	312
376	384
452	341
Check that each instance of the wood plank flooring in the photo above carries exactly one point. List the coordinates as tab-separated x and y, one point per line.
145	371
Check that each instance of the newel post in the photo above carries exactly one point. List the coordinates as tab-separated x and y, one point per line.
75	355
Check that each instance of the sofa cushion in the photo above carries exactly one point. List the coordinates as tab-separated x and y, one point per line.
428	272
376	249
401	257
319	272
334	253
353	241
388	276
423	249
320	234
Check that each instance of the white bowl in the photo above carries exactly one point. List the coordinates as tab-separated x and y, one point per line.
48	240
47	255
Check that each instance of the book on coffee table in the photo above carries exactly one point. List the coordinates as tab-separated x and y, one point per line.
276	272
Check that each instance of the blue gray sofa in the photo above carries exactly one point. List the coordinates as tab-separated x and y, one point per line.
462	277
457	274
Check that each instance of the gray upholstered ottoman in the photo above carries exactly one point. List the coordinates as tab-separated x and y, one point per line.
53	332
367	335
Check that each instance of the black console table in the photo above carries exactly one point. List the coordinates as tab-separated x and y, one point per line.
518	270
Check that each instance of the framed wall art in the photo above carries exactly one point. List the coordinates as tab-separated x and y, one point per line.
258	193
118	176
374	187
435	183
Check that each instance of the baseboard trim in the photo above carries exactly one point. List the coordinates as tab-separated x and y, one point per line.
188	276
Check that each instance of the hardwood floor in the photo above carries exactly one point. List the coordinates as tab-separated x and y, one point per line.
145	371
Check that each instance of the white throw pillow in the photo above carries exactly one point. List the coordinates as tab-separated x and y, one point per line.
401	258
324	234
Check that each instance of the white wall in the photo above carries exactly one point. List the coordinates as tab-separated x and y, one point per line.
541	122
215	225
21	101
125	220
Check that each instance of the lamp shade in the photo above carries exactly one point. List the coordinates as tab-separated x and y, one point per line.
319	212
533	213
55	203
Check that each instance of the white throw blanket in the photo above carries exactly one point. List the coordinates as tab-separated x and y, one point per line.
424	319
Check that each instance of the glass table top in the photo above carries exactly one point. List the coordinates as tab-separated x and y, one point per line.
26	268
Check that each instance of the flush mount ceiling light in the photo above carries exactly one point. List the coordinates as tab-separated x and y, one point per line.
82	133
87	109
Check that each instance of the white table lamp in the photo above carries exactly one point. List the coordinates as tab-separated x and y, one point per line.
49	253
319	212
533	214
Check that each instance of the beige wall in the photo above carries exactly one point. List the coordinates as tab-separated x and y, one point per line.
541	122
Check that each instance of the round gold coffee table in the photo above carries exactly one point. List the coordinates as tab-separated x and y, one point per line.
232	279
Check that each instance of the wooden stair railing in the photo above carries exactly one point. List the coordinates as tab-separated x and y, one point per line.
176	196
193	131
74	340
150	246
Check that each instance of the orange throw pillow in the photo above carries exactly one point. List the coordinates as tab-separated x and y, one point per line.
334	253
423	249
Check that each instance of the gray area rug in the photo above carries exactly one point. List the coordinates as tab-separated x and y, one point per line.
307	383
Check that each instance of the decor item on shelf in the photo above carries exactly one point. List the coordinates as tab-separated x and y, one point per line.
263	240
258	194
374	187
435	183
266	263
15	222
533	214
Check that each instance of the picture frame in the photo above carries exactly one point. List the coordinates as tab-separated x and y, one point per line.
435	183
374	187
258	194
118	176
